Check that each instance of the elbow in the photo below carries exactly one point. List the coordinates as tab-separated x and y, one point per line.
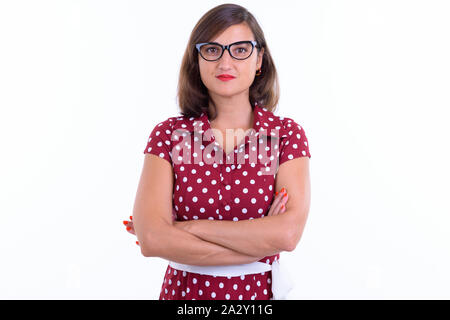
145	250
148	249
292	239
294	234
290	244
152	240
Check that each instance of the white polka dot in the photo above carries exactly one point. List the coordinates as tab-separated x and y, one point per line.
235	286
213	294
247	287
194	280
221	285
227	296
194	199
200	292
207	283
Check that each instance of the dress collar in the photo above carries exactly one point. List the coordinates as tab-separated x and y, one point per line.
265	123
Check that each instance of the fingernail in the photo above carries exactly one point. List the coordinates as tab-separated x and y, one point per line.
285	195
137	242
283	190
125	222
276	193
128	228
131	217
282	206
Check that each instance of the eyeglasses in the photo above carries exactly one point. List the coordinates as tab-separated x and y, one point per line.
213	51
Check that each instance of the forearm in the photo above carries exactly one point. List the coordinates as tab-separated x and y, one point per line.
256	237
180	246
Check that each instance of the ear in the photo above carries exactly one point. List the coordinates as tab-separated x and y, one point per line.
260	59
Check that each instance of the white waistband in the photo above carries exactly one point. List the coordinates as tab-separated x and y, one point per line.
234	270
281	282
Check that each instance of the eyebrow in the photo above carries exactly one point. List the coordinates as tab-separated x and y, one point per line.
230	43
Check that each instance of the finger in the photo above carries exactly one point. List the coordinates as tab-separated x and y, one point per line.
276	201
131	226
280	204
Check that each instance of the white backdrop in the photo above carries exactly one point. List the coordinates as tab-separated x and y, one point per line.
83	83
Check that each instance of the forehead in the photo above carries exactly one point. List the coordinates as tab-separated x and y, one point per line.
234	33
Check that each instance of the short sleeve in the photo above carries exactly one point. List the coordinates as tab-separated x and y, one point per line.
159	141
295	145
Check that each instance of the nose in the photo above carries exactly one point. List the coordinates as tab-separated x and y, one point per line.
226	58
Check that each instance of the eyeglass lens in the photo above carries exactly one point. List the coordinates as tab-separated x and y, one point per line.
238	51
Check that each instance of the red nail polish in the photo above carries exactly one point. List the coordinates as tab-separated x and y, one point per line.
131	217
125	222
137	242
128	228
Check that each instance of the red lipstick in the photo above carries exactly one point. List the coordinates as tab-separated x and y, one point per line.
225	77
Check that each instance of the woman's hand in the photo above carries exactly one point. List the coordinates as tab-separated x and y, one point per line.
279	203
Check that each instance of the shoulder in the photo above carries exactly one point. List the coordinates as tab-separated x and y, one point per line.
287	125
291	126
168	126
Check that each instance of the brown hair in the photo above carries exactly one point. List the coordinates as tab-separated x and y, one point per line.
193	97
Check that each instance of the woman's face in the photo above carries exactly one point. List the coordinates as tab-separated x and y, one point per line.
243	70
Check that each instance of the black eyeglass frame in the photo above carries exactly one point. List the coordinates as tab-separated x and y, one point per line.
254	44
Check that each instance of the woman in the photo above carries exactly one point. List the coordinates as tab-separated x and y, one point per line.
216	218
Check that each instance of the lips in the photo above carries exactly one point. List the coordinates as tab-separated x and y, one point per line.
226	76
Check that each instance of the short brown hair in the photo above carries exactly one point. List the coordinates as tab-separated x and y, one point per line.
193	97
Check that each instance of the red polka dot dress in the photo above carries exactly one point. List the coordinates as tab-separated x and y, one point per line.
210	184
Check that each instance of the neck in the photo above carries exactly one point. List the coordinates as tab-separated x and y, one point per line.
232	114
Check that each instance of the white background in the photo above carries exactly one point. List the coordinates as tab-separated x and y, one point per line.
83	83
